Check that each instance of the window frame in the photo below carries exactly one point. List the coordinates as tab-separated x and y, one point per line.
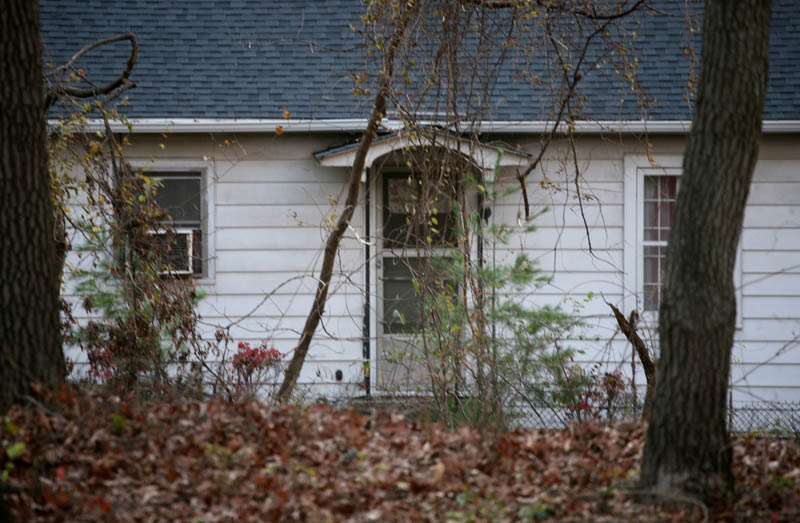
207	190
658	243
636	168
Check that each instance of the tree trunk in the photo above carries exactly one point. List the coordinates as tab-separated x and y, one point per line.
335	237
687	452
30	342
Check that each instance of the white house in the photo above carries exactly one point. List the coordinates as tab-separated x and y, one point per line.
219	76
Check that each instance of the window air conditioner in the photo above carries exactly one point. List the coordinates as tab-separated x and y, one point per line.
175	250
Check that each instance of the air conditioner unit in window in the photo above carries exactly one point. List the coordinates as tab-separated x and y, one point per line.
175	250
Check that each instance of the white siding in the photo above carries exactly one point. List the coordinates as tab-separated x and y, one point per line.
766	363
272	203
268	205
273	215
564	232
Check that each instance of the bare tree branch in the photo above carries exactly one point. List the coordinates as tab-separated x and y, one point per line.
572	83
562	6
114	88
628	328
332	244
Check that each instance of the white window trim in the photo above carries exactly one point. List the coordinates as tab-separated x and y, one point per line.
208	210
636	167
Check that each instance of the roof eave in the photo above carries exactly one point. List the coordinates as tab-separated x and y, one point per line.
269	125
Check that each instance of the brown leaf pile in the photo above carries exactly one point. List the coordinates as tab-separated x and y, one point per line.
102	459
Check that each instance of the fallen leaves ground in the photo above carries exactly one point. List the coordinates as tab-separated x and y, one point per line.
105	459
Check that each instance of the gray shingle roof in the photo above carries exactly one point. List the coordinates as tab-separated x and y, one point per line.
255	58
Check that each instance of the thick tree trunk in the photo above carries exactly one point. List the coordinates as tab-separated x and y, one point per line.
687	451
30	343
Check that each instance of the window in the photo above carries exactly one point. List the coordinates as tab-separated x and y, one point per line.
181	196
402	278
418	221
406	222
650	190
659	205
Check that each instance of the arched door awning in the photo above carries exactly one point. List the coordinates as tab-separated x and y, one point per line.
484	156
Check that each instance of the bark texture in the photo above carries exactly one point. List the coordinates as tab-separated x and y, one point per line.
687	452
30	343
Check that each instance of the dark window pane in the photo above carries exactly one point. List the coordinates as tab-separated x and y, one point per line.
400	307
651	214
398	268
197	252
400	195
411	218
401	230
651	272
651	250
667	209
651	297
396	232
401	303
650	188
180	194
669	187
181	198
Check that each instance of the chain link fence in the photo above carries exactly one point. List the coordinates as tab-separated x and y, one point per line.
781	419
766	419
777	419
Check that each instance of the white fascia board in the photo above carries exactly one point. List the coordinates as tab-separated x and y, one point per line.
269	125
225	125
627	127
592	127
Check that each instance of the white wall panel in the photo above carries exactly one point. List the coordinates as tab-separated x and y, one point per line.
568	238
772	216
289	283
303	238
769	170
219	306
562	259
269	260
278	215
307	171
771	261
771	284
769	193
271	200
771	307
777	239
596	216
288	193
